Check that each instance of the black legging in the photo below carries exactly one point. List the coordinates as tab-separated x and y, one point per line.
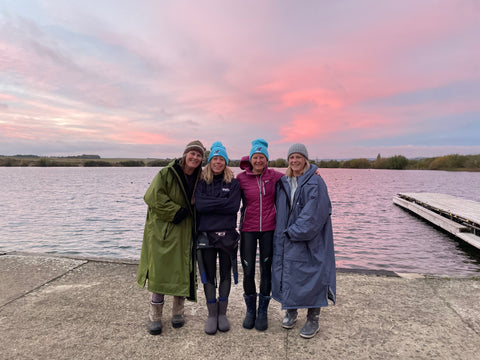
209	256
248	254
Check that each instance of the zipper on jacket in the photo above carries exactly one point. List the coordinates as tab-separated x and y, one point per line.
283	237
259	183
166	231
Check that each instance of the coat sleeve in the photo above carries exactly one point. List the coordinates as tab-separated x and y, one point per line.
208	203
314	214
159	200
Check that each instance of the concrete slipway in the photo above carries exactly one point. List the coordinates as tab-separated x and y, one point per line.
67	308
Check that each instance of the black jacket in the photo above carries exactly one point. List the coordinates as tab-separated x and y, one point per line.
217	204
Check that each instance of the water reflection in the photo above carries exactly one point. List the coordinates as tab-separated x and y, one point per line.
100	212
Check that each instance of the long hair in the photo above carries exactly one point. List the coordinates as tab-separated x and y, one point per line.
197	170
182	161
207	174
289	171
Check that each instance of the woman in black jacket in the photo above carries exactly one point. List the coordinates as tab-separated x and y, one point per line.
217	199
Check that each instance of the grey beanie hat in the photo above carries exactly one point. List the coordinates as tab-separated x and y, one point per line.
299	149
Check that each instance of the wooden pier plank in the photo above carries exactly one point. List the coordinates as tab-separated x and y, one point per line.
431	206
465	208
444	223
470	238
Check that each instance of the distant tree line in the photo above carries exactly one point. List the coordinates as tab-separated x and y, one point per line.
453	162
400	162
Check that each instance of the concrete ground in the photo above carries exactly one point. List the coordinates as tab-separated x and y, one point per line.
68	308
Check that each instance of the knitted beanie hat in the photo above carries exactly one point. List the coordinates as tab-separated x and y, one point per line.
259	146
298	149
218	149
195	145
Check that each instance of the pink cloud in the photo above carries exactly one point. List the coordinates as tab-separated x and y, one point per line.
16	132
7	97
334	75
319	97
141	138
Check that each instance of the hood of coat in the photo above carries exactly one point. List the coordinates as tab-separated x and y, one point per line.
245	163
304	177
307	175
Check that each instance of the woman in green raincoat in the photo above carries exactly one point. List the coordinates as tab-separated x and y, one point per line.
167	260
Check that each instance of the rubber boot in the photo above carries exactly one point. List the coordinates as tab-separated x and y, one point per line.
290	318
261	323
155	318
212	320
311	326
251	302
223	323
178	310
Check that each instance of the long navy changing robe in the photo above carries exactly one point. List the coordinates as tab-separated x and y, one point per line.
303	268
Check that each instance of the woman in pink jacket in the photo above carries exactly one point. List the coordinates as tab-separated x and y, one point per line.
257	183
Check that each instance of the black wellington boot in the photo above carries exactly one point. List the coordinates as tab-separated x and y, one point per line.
251	302
261	323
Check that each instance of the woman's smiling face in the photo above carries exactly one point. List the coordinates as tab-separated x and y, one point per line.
258	161
297	163
217	164
193	159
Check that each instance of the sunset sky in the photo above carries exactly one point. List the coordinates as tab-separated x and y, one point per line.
139	79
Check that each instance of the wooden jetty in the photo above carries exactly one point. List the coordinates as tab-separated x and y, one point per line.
458	216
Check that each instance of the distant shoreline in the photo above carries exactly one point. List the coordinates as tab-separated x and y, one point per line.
452	162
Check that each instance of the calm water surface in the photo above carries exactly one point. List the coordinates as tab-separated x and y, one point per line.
100	212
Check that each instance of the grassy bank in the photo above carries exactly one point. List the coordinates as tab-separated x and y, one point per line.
25	161
452	162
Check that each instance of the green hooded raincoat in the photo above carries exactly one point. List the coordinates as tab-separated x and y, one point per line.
167	259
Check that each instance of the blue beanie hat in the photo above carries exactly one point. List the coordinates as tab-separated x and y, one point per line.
217	149
259	146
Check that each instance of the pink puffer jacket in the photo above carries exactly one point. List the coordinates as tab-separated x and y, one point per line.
258	196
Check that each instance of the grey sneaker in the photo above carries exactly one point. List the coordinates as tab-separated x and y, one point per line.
290	318
311	326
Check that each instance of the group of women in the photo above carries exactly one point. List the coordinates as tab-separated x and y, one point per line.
192	219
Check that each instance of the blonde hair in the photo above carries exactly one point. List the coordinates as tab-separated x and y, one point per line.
207	174
289	171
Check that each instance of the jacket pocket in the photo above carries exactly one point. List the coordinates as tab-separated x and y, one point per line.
297	251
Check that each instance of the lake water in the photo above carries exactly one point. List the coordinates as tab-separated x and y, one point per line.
100	212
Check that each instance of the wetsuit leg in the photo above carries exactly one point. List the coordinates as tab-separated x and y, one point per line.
210	263
266	253
248	255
